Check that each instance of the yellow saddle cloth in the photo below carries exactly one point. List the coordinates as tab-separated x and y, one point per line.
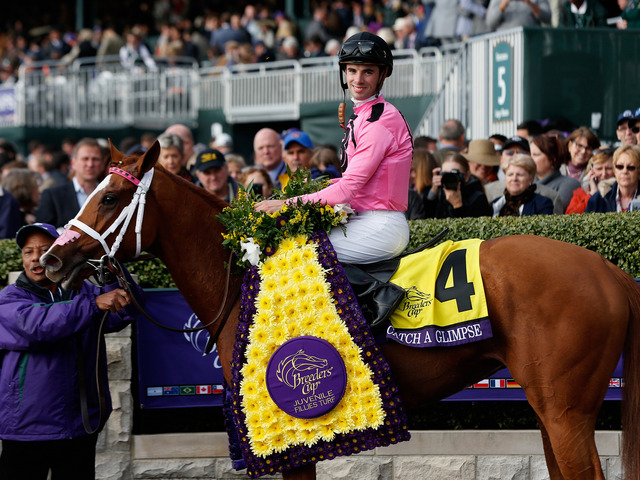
444	303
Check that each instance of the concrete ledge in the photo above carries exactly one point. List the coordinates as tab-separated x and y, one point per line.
181	445
431	442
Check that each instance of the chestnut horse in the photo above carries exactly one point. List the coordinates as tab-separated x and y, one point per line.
561	315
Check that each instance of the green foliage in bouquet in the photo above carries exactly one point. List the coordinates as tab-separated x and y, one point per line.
253	235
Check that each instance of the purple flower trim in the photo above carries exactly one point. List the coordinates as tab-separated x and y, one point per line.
393	430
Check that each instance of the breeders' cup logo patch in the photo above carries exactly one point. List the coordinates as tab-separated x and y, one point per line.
415	301
306	377
291	370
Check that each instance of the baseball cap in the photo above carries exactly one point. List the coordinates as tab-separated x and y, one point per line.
626	115
519	141
223	140
299	137
207	159
635	119
24	232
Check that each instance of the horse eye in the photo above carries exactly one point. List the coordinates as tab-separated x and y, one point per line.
109	200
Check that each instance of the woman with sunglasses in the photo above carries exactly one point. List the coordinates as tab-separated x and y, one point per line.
626	161
377	149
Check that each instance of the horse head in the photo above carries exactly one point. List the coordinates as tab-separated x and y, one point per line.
102	224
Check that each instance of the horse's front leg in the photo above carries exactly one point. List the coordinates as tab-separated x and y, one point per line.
307	472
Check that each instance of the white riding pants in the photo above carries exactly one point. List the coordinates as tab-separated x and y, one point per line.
371	236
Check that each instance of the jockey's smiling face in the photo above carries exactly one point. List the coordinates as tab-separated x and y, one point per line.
362	80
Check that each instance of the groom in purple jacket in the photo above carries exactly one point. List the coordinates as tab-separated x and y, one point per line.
45	333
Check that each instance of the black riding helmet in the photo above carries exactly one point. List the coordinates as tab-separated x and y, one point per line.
365	48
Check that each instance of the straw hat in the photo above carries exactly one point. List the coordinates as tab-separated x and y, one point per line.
482	152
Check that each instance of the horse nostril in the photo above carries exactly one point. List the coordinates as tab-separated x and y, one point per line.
50	261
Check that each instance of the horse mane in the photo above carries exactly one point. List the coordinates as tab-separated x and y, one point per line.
216	202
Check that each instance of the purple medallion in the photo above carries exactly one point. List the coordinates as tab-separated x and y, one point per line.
306	377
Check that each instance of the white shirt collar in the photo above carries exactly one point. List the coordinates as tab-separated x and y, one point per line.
76	185
580	11
357	103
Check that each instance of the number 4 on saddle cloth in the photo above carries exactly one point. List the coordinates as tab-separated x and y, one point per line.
432	297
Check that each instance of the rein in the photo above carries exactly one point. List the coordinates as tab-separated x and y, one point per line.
82	382
114	267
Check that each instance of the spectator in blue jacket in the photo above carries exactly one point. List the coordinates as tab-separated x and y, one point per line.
45	333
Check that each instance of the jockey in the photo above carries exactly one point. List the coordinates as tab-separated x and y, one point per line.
376	158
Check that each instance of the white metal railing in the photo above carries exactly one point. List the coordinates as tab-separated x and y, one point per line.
101	92
448	91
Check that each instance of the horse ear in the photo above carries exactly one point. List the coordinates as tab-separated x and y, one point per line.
116	155
148	159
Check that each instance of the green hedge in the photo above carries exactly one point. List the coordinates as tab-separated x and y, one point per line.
615	236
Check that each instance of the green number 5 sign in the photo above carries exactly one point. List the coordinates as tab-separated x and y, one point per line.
502	69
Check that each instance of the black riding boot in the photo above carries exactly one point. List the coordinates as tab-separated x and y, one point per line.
377	299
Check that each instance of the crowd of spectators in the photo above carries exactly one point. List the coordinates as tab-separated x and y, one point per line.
258	32
538	170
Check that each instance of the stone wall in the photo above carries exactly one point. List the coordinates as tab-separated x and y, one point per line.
433	455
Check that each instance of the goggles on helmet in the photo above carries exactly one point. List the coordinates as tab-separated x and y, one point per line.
365	47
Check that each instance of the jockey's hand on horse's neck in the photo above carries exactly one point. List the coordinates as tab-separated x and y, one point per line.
269	206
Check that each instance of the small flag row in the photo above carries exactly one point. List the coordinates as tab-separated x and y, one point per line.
175	390
511	383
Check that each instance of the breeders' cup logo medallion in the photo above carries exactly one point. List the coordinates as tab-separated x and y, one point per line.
306	377
414	302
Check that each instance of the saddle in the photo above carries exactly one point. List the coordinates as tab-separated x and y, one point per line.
377	297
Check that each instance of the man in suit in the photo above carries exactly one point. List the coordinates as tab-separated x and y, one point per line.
60	204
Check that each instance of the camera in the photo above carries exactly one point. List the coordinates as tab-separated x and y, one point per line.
450	180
